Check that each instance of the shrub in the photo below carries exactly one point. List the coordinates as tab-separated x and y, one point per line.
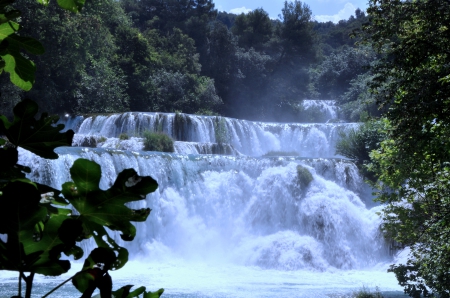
366	293
357	144
157	141
221	131
124	136
304	176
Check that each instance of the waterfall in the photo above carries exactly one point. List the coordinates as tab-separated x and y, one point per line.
239	211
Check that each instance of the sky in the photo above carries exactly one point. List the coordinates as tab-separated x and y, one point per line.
322	10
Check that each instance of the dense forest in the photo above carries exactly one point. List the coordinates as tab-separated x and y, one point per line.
185	56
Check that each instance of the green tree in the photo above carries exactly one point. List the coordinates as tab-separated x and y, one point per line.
333	76
296	34
253	29
80	49
413	81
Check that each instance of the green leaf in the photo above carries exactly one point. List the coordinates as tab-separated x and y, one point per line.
44	2
20	207
107	207
95	267
6	29
30	44
135	293
72	5
156	294
40	136
58	235
19	215
82	280
9	15
21	71
86	175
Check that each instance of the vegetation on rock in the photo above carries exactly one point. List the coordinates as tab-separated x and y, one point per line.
157	141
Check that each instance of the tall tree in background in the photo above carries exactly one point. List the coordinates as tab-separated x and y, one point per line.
253	29
292	51
297	36
413	79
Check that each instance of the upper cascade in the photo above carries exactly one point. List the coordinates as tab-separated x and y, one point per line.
243	137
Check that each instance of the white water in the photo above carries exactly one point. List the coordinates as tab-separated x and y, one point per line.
247	137
238	226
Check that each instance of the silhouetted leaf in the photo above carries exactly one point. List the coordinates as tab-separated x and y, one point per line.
107	207
38	136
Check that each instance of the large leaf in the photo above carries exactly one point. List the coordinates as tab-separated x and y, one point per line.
57	235
20	214
20	207
6	29
72	5
38	136
33	46
98	208
94	273
21	70
156	294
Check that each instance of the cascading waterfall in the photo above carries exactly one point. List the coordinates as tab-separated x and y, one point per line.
240	225
247	137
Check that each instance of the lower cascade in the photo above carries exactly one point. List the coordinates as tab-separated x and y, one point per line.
271	215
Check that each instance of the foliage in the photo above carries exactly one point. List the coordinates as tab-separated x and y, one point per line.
157	141
21	70
221	132
152	55
41	225
334	37
304	176
124	136
297	38
357	103
253	29
357	144
333	76
413	163
367	293
102	89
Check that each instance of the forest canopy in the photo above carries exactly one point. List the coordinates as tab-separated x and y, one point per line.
185	56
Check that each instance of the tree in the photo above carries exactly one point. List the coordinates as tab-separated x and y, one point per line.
333	76
297	36
253	29
413	81
80	53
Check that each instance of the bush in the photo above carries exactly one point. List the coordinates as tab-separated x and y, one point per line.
124	136
357	144
366	293
157	141
304	176
221	131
